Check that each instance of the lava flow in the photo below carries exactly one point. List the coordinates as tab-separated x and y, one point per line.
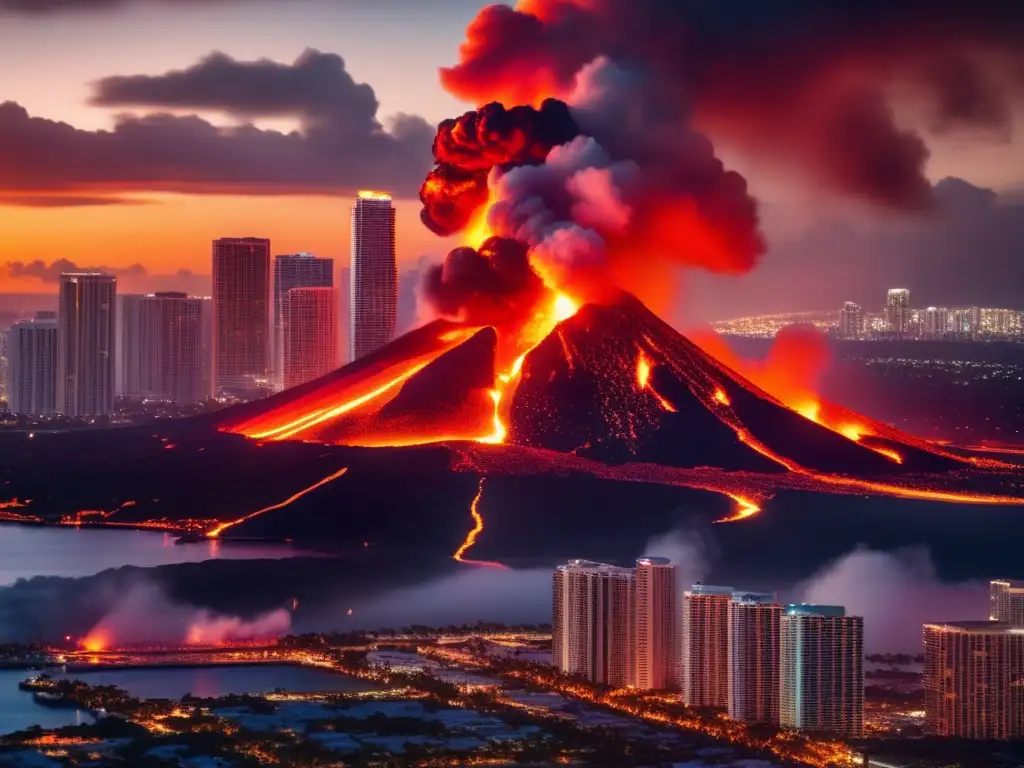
540	347
291	499
477	529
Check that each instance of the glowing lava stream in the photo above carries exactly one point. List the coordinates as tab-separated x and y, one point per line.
744	508
643	379
295	497
478	527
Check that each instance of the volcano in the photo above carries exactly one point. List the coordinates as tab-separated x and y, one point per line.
612	383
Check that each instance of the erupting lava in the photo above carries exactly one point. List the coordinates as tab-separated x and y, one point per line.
539	347
478	527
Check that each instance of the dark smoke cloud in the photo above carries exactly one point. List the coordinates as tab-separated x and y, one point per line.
468	147
794	80
341	147
494	285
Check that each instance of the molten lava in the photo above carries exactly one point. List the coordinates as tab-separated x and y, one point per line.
477	529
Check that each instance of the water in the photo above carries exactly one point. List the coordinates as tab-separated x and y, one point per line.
27	551
19	711
173	683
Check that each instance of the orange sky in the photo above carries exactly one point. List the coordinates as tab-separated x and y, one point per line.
174	232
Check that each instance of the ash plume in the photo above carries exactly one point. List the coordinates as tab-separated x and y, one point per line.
793	81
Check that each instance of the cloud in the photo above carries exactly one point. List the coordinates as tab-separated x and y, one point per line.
340	148
809	85
66	201
132	279
43	7
896	593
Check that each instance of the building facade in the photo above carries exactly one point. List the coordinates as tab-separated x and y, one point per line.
298	270
851	321
373	304
1006	601
592	621
241	314
935	323
310	334
32	366
705	647
86	344
974	680
754	649
656	626
821	670
162	347
897	310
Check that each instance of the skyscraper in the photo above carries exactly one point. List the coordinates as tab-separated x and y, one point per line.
656	625
1006	600
935	323
592	620
972	680
754	657
897	310
85	344
241	309
310	334
965	321
299	270
851	323
706	646
373	305
821	669
161	348
32	366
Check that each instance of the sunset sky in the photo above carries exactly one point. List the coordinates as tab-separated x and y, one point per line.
78	203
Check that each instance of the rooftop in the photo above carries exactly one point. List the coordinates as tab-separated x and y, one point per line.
758	598
972	627
708	589
810	609
653	561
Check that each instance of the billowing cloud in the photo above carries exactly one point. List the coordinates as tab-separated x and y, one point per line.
805	83
50	273
132	279
340	147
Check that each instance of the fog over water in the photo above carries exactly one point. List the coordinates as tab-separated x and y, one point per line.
27	551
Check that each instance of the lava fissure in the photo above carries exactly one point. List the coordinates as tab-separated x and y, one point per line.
475	531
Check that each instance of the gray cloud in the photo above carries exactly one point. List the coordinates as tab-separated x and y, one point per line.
341	147
50	273
43	7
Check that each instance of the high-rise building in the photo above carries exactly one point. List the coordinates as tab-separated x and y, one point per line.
592	621
897	310
821	669
373	304
656	626
754	657
241	314
32	366
86	344
935	323
161	347
298	270
972	680
1006	600
851	321
310	334
965	321
706	646
1001	322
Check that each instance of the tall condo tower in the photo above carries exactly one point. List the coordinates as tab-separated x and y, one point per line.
310	334
1006	601
32	365
373	304
592	620
821	670
897	310
706	646
86	344
161	347
298	270
656	625
972	674
241	314
754	657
